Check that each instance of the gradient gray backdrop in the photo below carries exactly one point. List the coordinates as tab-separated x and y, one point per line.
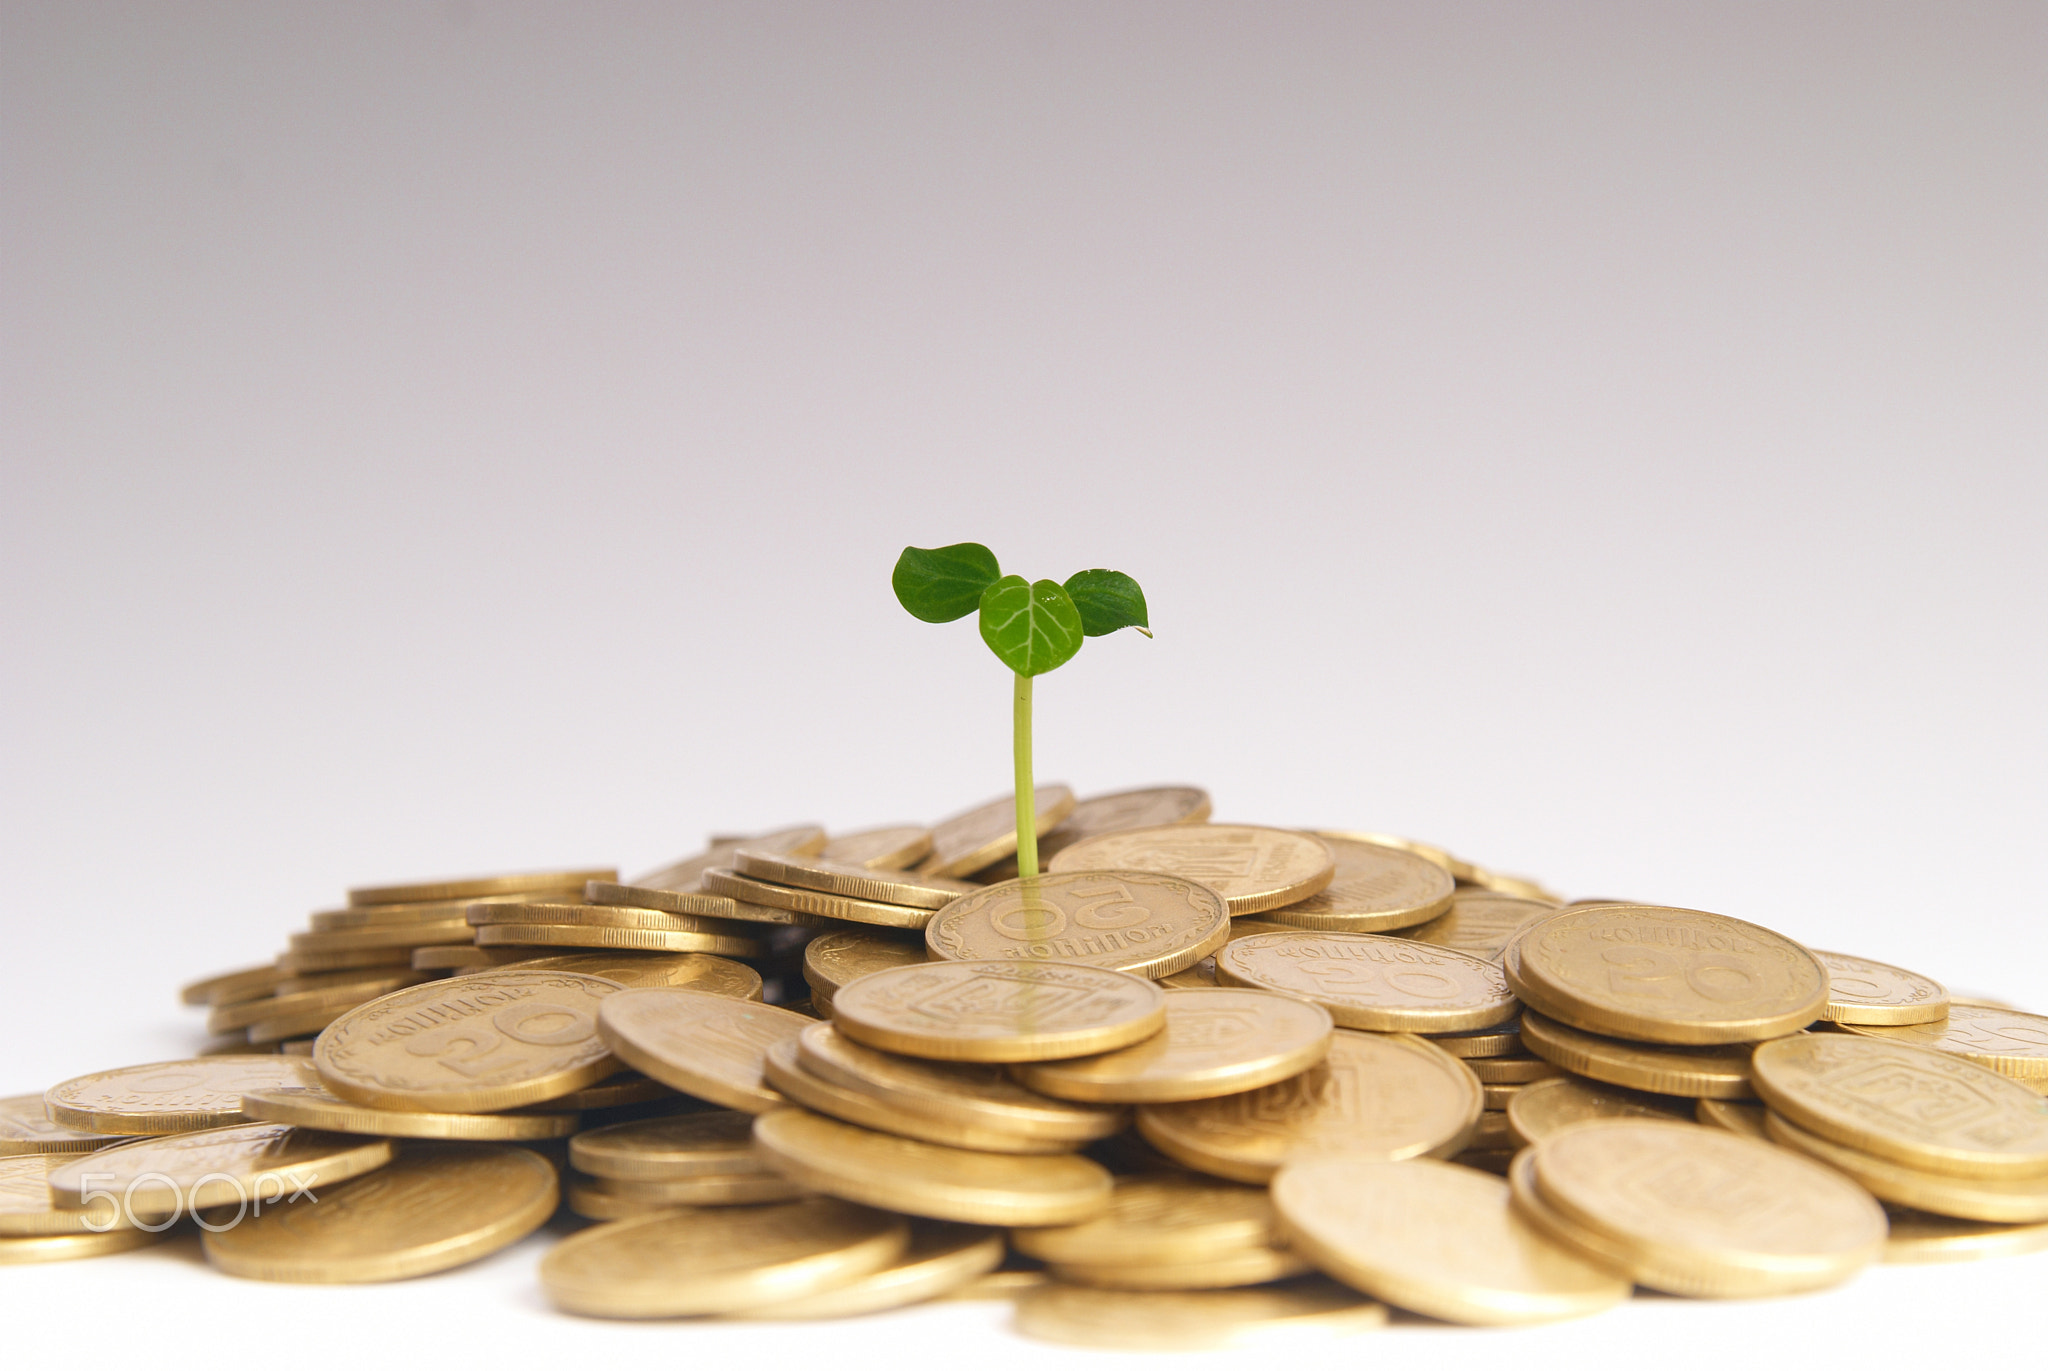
1606	439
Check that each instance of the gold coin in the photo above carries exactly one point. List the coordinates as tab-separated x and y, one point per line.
2005	1040
460	957
73	1246
1216	1042
1114	813
621	1088
1160	1219
1916	1238
927	1179
1495	1040
891	848
1667	975
1976	1001
434	1208
1376	889
977	1094
473	1045
602	916
454	930
1526	1199
1376	1096
1247	1266
1388	985
999	1011
2018	1199
785	1072
347	995
1510	1070
941	1258
298	964
616	939
478	887
265	1034
709	1046
1003	1283
685	876
1437	1239
432	911
1481	923
187	1172
169	1097
1459	870
638	970
713	1143
28	1209
720	1261
1548	1106
833	959
987	833
1867	992
693	1192
586	1201
298	1047
1720	1072
1200	976
230	986
1282	1316
1498	1096
25	1130
1746	1119
854	882
1704	1212
691	902
812	903
1521	887
1137	921
312	1107
1254	869
1930	1110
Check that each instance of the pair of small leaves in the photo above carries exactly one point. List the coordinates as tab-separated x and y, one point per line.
1031	626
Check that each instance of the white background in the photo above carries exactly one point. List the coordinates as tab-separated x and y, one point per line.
1606	440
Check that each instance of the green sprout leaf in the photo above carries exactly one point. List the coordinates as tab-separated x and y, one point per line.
1108	601
1032	626
941	584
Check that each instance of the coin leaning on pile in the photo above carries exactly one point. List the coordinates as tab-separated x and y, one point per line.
1226	1082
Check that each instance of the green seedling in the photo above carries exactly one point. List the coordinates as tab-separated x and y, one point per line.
1031	626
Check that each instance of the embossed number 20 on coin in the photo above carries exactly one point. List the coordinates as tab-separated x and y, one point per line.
1138	921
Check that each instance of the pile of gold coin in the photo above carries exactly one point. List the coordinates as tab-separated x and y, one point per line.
1197	1085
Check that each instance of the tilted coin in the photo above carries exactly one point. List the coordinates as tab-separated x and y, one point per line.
1216	1042
999	1011
1480	923
823	1095
432	911
691	902
1283	1315
2006	1040
583	1199
313	1107
1868	992
1245	1266
247	1163
855	882
1704	1212
714	1143
754	1187
602	916
1736	1117
1668	975
1521	887
1004	1283
25	1130
478	887
1254	869
460	957
1440	1240
812	903
298	964
704	1045
1548	1106
972	1093
229	1017
890	848
1389	985
927	1179
1200	976
1458	869
1376	1096
1510	1070
1916	1238
1113	813
833	959
686	876
1719	1072
28	1209
982	836
620	1088
71	1246
434	1208
1137	921
473	1045
452	930
616	939
941	1258
169	1097
1925	1109
1160	1218
230	986
1376	889
638	970
720	1261
1495	1040
2019	1199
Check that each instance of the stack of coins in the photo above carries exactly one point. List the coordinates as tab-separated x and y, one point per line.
1197	1085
